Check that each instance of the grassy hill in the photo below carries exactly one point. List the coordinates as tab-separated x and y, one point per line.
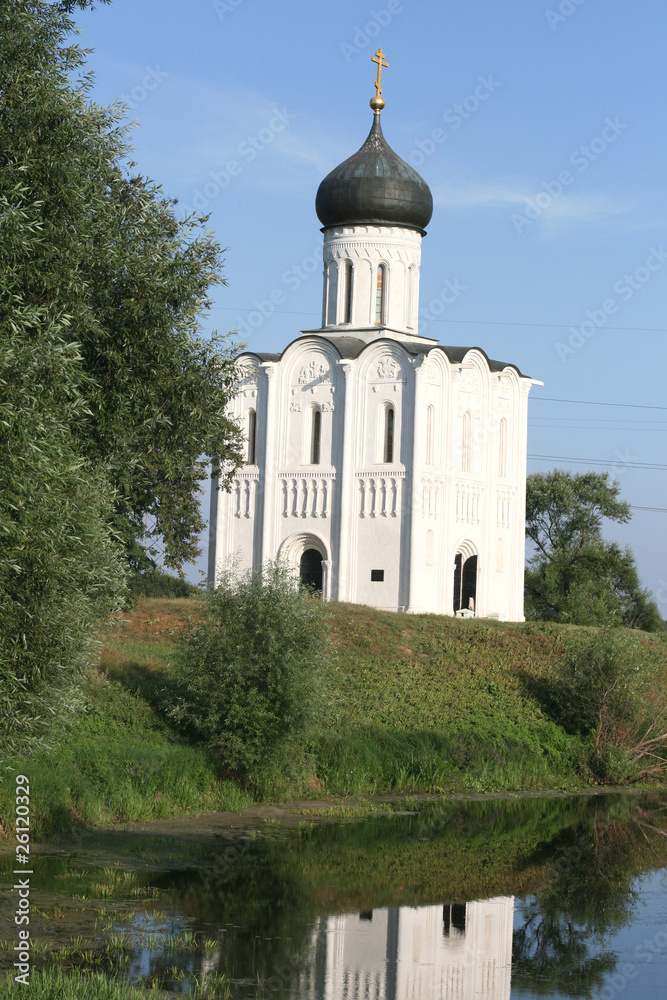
415	703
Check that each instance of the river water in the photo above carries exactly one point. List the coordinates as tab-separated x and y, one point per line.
499	899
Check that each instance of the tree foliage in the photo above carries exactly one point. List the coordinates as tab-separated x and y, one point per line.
111	254
61	570
110	400
575	575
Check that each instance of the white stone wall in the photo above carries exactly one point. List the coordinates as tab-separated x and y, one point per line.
440	494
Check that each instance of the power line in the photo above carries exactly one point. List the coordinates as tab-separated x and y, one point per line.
591	402
589	427
578	421
660	510
463	322
653	467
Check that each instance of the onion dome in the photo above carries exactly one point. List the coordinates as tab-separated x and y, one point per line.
374	186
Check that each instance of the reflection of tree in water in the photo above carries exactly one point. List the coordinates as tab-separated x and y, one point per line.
562	944
255	897
261	897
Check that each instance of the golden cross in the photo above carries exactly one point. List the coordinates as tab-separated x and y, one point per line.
379	59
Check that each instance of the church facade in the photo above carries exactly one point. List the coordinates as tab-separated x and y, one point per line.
387	469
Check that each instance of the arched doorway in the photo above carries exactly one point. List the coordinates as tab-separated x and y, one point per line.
310	569
307	555
465	581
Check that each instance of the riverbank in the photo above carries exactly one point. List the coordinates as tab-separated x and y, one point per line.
416	703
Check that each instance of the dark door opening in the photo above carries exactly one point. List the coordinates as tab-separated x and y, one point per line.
469	583
465	583
310	569
458	564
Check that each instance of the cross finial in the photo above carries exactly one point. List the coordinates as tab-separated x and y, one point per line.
379	59
377	102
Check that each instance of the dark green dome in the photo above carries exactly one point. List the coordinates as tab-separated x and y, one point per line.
374	186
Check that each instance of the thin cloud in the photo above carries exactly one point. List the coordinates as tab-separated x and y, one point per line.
553	211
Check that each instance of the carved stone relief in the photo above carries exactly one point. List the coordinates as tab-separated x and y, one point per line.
388	368
314	371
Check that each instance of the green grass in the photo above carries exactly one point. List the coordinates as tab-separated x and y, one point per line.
416	703
430	703
56	985
119	761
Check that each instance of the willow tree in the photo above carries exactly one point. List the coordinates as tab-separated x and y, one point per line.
111	401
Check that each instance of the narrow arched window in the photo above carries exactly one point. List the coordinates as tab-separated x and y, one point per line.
409	296
502	448
430	435
347	314
325	296
379	294
316	434
389	434
466	442
252	434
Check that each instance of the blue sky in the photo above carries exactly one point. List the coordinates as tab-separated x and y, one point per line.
540	127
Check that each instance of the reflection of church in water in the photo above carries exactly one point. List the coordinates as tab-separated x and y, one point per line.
458	952
387	469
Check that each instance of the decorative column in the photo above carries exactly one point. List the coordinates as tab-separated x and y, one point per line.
268	473
346	486
326	579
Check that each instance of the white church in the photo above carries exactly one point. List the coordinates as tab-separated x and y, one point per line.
388	469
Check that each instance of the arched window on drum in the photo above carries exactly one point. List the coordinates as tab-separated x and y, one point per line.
380	294
347	309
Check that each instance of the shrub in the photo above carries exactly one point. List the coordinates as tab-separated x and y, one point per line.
252	669
598	693
594	681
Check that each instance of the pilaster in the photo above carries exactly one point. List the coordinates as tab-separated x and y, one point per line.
346	488
418	421
268	473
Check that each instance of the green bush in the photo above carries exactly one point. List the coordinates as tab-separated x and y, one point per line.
252	674
596	681
599	692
